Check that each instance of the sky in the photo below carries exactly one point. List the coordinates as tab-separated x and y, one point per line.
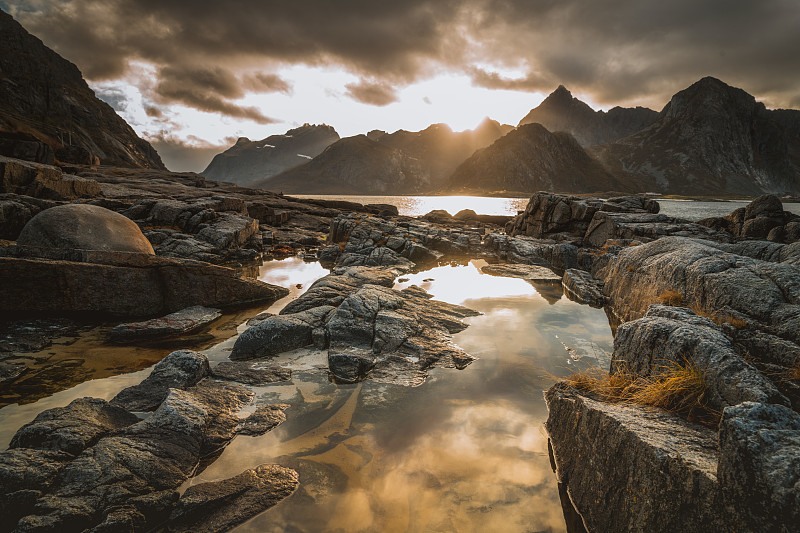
193	76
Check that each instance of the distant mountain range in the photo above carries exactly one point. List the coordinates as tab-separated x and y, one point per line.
48	112
710	139
248	162
563	112
403	162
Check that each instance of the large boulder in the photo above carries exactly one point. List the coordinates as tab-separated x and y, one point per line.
278	334
84	227
763	218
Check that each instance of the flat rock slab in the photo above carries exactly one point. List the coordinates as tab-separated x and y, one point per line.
263	419
581	287
526	272
178	323
219	506
251	373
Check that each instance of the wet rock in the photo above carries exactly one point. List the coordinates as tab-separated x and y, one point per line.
24	475
378	256
580	286
350	366
633	468
278	334
178	323
263	419
221	505
133	474
73	428
84	227
759	466
336	286
251	373
674	334
11	371
178	370
526	272
118	284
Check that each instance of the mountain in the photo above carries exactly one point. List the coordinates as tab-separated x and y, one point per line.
353	165
561	111
247	161
530	158
46	104
710	138
402	162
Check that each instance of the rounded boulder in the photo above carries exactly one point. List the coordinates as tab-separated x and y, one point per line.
84	227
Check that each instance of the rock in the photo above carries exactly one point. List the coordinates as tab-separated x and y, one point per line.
549	214
581	287
526	272
178	323
707	277
673	334
84	227
767	205
633	468
118	284
378	256
263	419
16	211
73	428
350	366
376	323
759	466
644	227
278	334
250	373
24	475
763	218
336	286
131	476
464	214
77	155
221	505
526	250
178	370
26	147
11	371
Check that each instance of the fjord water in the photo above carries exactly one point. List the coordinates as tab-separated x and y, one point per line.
485	205
464	451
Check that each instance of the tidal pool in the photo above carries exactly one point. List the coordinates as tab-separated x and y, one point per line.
464	451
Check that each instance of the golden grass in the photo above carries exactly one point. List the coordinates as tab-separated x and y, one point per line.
794	373
678	387
721	318
671	297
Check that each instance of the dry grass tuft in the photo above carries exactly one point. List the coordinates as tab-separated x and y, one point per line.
794	373
721	318
671	297
679	388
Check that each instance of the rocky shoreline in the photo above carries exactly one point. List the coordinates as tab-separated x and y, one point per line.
724	293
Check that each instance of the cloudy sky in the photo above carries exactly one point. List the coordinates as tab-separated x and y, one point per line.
191	76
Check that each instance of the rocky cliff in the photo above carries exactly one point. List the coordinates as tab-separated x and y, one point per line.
531	158
711	138
46	109
249	161
563	112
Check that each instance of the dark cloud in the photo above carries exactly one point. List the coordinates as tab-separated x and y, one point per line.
207	89
614	50
266	83
114	97
186	155
377	94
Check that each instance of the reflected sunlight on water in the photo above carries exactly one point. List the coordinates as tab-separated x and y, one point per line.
419	205
465	451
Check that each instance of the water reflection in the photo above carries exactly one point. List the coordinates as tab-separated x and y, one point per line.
419	205
465	451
